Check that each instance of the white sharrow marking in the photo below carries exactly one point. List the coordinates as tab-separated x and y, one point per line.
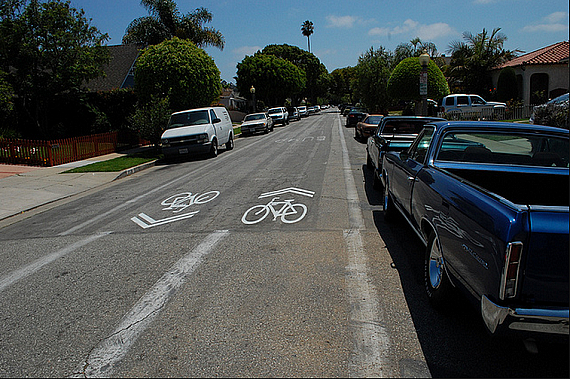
103	359
372	341
14	276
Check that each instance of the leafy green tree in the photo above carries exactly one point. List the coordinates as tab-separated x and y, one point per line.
472	59
179	70
48	49
316	74
414	48
341	85
307	29
165	22
275	79
404	82
6	104
372	73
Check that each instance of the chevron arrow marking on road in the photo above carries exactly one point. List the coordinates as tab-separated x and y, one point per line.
298	191
149	222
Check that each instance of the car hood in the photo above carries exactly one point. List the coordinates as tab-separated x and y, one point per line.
185	131
253	122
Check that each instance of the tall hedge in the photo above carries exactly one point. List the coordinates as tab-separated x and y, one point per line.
179	70
507	85
404	82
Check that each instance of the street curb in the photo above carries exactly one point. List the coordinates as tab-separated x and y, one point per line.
135	169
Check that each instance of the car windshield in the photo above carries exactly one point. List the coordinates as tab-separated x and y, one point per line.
403	127
505	148
251	117
188	119
275	110
373	120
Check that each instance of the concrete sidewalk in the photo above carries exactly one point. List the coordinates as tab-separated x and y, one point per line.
23	188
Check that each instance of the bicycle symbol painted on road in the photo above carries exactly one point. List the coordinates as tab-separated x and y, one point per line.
286	210
183	200
176	203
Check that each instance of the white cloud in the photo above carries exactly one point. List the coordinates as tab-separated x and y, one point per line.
554	22
246	50
341	21
425	32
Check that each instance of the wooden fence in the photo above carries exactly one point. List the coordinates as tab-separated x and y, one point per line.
56	152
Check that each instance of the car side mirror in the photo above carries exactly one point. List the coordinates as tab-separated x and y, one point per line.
216	120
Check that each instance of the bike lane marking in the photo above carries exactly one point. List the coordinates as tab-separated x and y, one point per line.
103	359
284	208
372	342
175	203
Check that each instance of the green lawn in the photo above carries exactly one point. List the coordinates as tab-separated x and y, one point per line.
117	164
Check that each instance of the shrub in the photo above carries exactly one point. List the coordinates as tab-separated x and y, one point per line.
404	82
507	85
552	114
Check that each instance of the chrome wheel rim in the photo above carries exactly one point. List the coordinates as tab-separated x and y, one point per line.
435	265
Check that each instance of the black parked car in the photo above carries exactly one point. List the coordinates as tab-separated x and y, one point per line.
355	115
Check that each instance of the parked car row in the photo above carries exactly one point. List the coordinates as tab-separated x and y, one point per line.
490	203
203	130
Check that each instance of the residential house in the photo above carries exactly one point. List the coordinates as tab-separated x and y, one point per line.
543	71
119	72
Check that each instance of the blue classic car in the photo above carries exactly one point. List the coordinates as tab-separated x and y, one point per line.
490	202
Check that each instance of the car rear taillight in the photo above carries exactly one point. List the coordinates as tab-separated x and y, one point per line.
510	277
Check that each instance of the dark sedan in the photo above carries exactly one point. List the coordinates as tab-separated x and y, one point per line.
354	116
395	133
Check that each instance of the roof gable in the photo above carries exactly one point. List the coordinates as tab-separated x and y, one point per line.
119	69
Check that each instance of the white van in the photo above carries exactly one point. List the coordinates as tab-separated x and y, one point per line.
197	131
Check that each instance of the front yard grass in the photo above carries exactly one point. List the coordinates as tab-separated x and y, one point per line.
117	164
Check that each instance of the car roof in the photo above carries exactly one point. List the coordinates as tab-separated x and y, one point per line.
497	126
409	118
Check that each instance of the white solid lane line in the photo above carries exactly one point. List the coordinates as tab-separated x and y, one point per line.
102	360
23	272
371	340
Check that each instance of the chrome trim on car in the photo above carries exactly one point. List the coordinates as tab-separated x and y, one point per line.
544	320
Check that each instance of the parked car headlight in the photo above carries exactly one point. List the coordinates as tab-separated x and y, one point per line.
165	143
202	138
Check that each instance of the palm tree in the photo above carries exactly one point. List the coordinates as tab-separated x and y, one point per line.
307	29
165	22
473	58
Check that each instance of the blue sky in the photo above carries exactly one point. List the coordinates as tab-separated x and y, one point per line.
346	29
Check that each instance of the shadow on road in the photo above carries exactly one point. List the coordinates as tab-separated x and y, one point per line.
455	343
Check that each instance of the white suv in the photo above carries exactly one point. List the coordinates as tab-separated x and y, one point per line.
280	115
475	104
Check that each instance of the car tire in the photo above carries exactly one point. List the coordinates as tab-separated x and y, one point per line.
214	148
437	284
230	143
376	182
389	210
369	164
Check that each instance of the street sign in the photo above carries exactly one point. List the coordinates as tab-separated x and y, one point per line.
423	83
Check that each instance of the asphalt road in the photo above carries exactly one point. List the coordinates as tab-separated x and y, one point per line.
272	259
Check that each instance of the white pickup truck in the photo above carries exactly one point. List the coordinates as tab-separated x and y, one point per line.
471	105
198	131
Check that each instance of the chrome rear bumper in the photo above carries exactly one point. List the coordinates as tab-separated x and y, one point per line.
535	320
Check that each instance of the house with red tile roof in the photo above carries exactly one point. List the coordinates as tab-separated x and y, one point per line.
543	71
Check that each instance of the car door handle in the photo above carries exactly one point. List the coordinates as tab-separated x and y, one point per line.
414	178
